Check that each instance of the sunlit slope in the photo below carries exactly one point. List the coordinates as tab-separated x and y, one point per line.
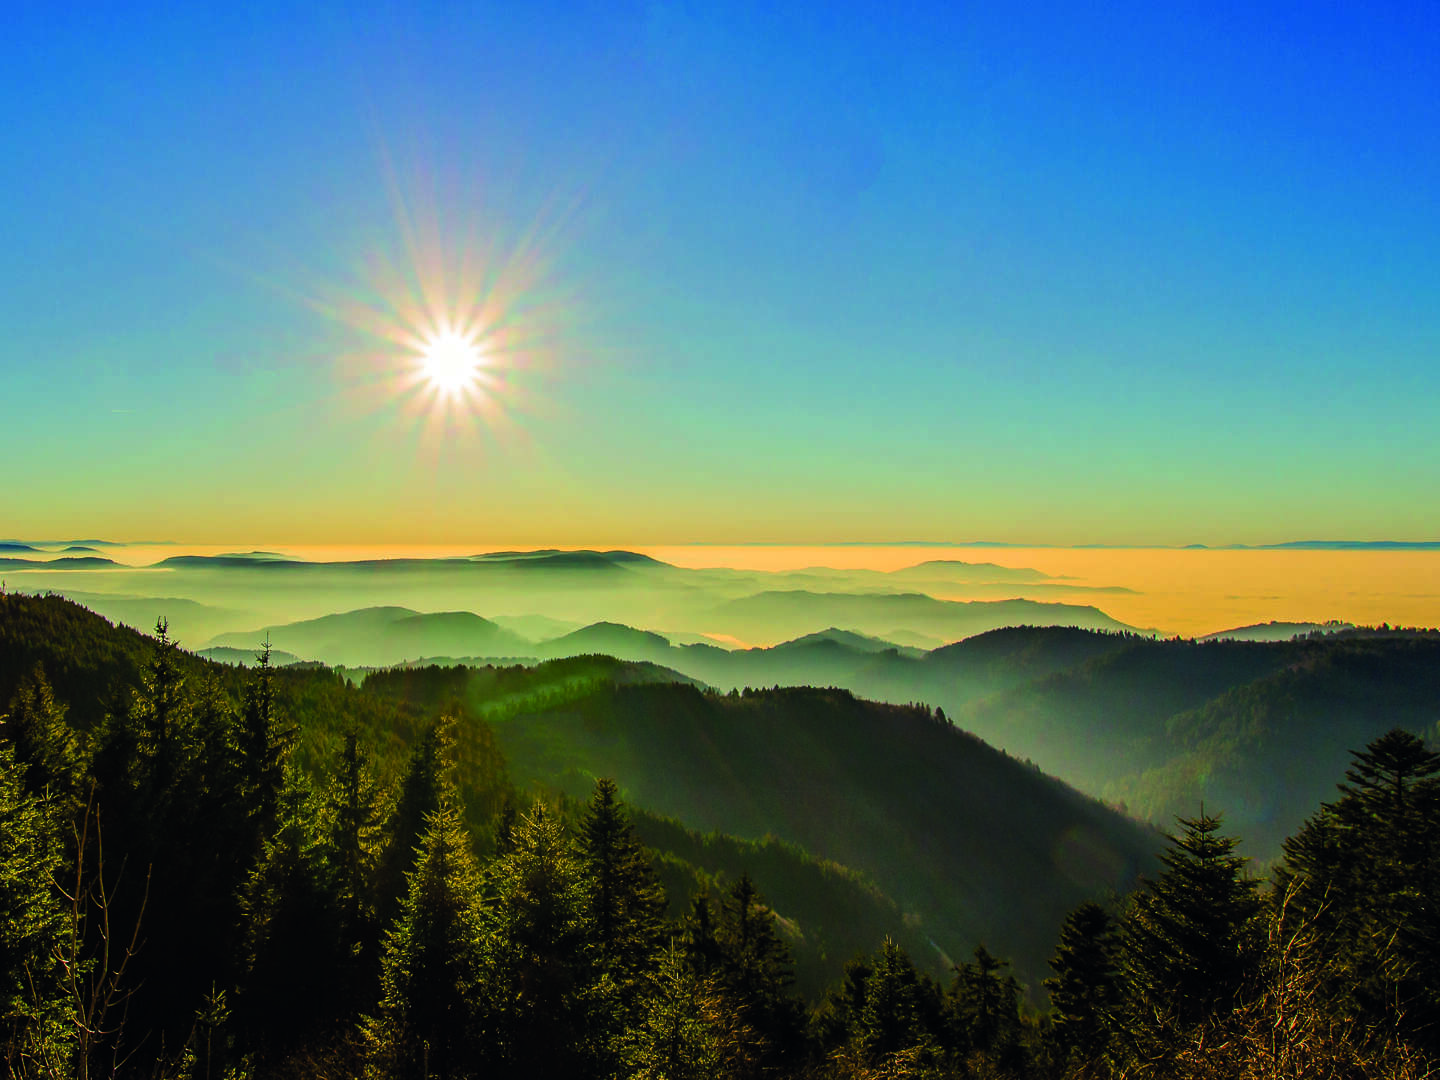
976	845
612	639
828	911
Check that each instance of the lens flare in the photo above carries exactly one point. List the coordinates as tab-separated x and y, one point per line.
452	329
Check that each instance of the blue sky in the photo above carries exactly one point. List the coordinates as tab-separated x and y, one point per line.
1155	273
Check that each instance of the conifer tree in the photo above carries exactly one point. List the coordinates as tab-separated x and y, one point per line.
1084	991
44	742
686	1032
755	970
550	1010
700	945
1189	942
263	746
837	1020
420	795
353	813
151	784
292	979
901	1011
627	903
984	1009
1363	872
31	992
427	1024
162	718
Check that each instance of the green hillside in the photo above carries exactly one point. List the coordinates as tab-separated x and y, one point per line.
973	844
1251	728
831	911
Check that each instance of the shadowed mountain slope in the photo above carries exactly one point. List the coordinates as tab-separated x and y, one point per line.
974	844
1256	730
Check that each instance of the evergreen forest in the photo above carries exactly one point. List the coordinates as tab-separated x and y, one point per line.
593	868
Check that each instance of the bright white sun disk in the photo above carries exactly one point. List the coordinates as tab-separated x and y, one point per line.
451	361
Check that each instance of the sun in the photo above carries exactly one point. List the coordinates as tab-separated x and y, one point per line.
451	361
451	329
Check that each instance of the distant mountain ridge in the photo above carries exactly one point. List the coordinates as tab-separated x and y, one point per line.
790	613
65	562
554	559
1254	729
380	636
384	636
247	657
863	643
1277	631
1348	545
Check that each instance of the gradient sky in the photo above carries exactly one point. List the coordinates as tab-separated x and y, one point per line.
1054	273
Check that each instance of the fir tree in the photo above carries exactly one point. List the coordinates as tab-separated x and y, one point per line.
353	812
32	995
627	903
984	1008
431	964
263	746
686	1032
756	972
162	718
901	1011
429	775
293	975
550	1010
838	1019
1189	945
1084	991
1363	872
44	742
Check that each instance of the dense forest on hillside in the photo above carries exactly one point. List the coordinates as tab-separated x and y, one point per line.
219	871
971	844
1254	719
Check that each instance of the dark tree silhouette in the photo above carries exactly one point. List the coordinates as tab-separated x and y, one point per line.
1189	944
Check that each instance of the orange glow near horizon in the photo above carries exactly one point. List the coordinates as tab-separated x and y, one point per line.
1175	591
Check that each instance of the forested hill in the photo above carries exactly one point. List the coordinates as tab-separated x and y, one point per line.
971	843
1162	726
1258	728
210	871
961	843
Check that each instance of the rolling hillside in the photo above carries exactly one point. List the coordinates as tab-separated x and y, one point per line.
973	844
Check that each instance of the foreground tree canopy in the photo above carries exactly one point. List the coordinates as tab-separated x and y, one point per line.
184	894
